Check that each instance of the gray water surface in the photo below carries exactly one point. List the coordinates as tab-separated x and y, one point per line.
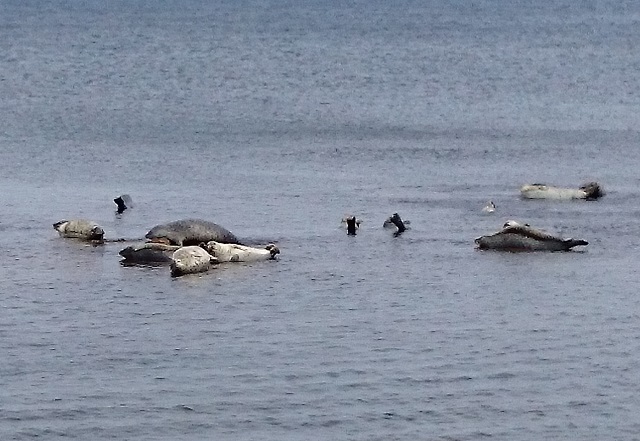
276	119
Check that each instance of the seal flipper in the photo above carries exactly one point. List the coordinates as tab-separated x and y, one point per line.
570	243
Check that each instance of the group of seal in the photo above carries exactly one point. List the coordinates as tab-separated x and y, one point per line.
194	245
188	245
515	236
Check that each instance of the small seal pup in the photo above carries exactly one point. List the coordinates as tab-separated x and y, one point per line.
515	236
189	260
229	252
148	253
395	221
80	229
123	202
190	232
589	191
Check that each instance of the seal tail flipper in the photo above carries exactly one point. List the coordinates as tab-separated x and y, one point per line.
570	243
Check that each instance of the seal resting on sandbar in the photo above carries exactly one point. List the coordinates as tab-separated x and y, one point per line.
589	191
515	236
190	232
189	260
229	252
149	253
80	229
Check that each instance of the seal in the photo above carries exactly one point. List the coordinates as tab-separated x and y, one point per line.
229	252
149	253
489	208
515	236
190	260
394	221
190	232
352	224
589	191
80	229
123	202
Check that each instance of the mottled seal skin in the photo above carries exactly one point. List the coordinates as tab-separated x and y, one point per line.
149	253
228	252
521	237
190	232
588	191
190	260
80	229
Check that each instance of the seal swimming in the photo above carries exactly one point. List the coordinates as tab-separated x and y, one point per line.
149	253
190	232
395	221
80	229
589	191
352	224
123	202
515	236
190	260
229	252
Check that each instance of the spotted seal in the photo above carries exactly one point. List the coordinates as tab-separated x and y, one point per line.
588	191
80	229
515	236
228	252
189	260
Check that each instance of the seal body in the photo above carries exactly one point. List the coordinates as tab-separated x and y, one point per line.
521	237
149	253
589	191
190	232
228	252
190	260
395	222
80	229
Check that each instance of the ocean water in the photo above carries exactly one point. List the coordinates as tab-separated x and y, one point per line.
275	119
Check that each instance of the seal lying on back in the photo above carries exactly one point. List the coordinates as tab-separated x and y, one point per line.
149	253
80	229
589	191
229	252
189	260
190	232
521	237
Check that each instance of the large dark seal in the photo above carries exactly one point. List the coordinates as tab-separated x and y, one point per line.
521	237
190	232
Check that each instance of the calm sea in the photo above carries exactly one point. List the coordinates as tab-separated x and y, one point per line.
275	119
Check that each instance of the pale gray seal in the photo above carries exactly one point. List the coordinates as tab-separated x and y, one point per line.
189	260
588	191
521	237
229	252
80	229
149	253
190	232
